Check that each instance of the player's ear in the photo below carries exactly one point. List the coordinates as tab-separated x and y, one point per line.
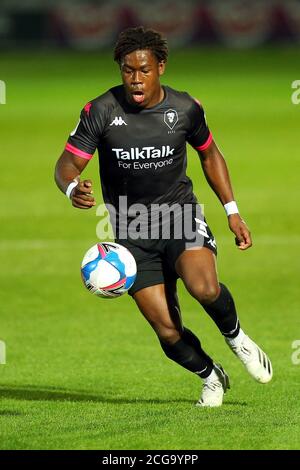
161	68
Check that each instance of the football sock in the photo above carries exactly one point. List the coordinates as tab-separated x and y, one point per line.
190	338
188	356
223	313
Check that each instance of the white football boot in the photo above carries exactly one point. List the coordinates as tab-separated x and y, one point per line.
254	359
214	387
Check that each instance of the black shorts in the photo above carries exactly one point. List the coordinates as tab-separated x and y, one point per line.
156	258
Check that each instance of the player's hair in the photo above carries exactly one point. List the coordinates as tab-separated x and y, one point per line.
139	38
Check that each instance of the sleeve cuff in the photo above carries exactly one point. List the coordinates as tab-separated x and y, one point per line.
78	152
206	144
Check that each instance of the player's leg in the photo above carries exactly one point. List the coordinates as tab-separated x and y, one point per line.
159	305
197	269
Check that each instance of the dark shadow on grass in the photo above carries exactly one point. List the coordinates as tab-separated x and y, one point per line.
10	413
235	403
50	393
35	393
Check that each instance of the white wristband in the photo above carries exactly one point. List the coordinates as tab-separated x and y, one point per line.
71	187
231	208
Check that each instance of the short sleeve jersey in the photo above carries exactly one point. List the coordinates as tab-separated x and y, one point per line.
142	152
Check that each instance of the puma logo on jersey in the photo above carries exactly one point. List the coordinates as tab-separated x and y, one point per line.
118	121
145	152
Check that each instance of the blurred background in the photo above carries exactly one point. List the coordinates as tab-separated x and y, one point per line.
95	24
82	372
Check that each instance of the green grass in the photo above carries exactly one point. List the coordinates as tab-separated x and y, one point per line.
83	373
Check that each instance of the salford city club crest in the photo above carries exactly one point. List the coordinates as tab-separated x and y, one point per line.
171	118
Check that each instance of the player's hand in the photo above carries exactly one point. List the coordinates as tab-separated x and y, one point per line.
82	195
241	231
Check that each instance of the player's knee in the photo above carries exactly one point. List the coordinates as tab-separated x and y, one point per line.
168	334
205	293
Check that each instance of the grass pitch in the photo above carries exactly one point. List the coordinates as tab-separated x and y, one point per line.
85	373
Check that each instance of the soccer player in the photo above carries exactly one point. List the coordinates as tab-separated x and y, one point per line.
140	129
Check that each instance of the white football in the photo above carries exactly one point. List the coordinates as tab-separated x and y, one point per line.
108	270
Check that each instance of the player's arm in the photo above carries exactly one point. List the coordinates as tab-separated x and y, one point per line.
69	168
217	175
80	147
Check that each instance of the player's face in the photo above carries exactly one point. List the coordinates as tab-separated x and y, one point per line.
141	72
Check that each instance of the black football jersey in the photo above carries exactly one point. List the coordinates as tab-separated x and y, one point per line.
142	152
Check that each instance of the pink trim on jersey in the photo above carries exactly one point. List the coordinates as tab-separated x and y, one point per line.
78	152
207	143
88	107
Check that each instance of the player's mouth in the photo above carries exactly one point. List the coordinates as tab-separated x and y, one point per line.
138	96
